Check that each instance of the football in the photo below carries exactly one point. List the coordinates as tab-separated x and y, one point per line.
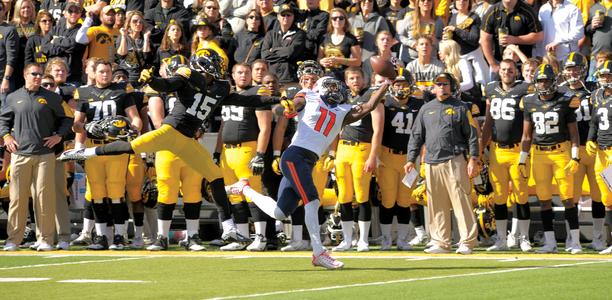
382	67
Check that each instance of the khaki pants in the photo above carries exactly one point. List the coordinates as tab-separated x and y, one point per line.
36	172
62	212
448	187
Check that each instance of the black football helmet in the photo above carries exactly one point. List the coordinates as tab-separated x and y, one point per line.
574	60
118	128
486	221
546	75
150	192
404	92
208	61
485	187
332	91
174	62
604	75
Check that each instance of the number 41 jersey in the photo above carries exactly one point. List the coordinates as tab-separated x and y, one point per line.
398	122
319	123
550	118
505	110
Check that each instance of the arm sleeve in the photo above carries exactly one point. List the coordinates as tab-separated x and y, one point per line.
12	48
269	56
488	22
576	28
6	119
167	85
471	36
467	78
29	51
417	138
468	127
64	123
82	36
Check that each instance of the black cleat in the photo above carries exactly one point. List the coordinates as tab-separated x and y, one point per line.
99	243
160	244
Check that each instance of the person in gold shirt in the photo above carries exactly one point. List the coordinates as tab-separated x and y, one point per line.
204	36
100	39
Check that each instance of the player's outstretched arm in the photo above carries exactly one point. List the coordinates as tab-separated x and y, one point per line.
361	110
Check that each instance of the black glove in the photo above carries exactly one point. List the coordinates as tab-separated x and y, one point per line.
217	158
257	164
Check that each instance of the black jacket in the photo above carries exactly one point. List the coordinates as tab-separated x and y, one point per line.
248	43
314	23
156	18
61	42
283	51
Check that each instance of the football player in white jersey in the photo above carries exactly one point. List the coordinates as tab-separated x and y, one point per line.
322	114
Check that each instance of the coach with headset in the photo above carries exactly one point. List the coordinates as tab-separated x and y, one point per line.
448	131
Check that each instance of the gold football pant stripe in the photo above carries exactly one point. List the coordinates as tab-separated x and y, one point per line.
587	168
601	162
135	177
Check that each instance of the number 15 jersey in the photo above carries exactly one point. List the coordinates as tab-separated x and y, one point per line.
319	123
550	118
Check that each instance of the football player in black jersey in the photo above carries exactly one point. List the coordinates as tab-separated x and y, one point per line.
245	133
550	124
400	111
106	176
199	93
502	127
357	153
600	136
574	73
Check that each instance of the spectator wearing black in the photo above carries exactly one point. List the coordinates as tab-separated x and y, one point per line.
54	7
61	42
223	29
9	49
521	27
33	52
249	40
393	13
162	15
134	46
266	10
284	46
58	69
366	24
314	22
172	43
339	49
23	20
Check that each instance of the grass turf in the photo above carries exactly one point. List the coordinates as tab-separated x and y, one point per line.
183	275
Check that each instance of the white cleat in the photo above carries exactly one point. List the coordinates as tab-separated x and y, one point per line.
547	248
435	249
512	241
465	250
363	246
326	261
43	246
500	245
297	246
10	247
606	251
403	245
386	243
234	246
137	243
525	245
259	244
74	154
597	245
575	248
418	240
62	245
343	246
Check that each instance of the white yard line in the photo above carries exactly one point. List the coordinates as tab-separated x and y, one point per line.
71	263
101	281
22	279
378	283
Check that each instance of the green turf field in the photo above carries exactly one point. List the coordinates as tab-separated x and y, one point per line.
275	275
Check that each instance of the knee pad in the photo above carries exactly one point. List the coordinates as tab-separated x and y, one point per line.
403	214
164	211
365	212
386	215
501	211
192	210
346	212
240	212
523	211
598	210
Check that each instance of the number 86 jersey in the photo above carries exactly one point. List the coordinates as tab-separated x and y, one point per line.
550	117
505	110
318	123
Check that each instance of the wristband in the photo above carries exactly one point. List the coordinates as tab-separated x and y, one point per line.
276	153
575	153
523	157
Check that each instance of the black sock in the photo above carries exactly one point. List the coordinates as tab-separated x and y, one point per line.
192	210
501	211
164	211
547	219
115	148
346	212
221	200
100	212
88	212
403	214
418	216
523	212
386	215
240	212
598	210
257	214
571	216
365	212
297	217
118	212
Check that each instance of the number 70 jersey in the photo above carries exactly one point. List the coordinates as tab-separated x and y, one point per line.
318	123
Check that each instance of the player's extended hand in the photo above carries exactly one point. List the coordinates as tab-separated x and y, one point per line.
257	164
276	165
264	92
329	163
289	107
522	169
591	148
572	167
145	75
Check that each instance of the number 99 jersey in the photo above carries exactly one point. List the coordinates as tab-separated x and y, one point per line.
505	110
550	118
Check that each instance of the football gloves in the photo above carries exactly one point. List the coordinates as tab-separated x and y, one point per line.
572	166
276	165
145	75
591	148
95	129
289	107
256	165
329	163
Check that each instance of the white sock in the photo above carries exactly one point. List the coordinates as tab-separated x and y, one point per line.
265	203
514	230
385	230
575	234
88	225
420	231
364	231
138	232
502	227
228	225
163	227
260	228
598	225
193	226
101	229
312	223
280	227
402	231
550	238
109	233
347	231
121	229
523	228
243	228
296	233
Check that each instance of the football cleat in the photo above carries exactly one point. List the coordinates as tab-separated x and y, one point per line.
465	250
326	261
512	241
386	243
597	245
10	247
547	248
33	246
99	243
193	243
435	249
74	154
119	243
160	244
259	244
363	246
137	243
43	246
297	246
418	240
403	245
575	248
234	246
343	246
500	245
233	235
606	251
62	245
525	245
84	239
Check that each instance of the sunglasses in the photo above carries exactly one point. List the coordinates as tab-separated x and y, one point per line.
340	18
47	84
74	11
442	83
36	74
211	7
138	21
286	15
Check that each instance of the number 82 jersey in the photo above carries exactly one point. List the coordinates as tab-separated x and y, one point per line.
550	117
